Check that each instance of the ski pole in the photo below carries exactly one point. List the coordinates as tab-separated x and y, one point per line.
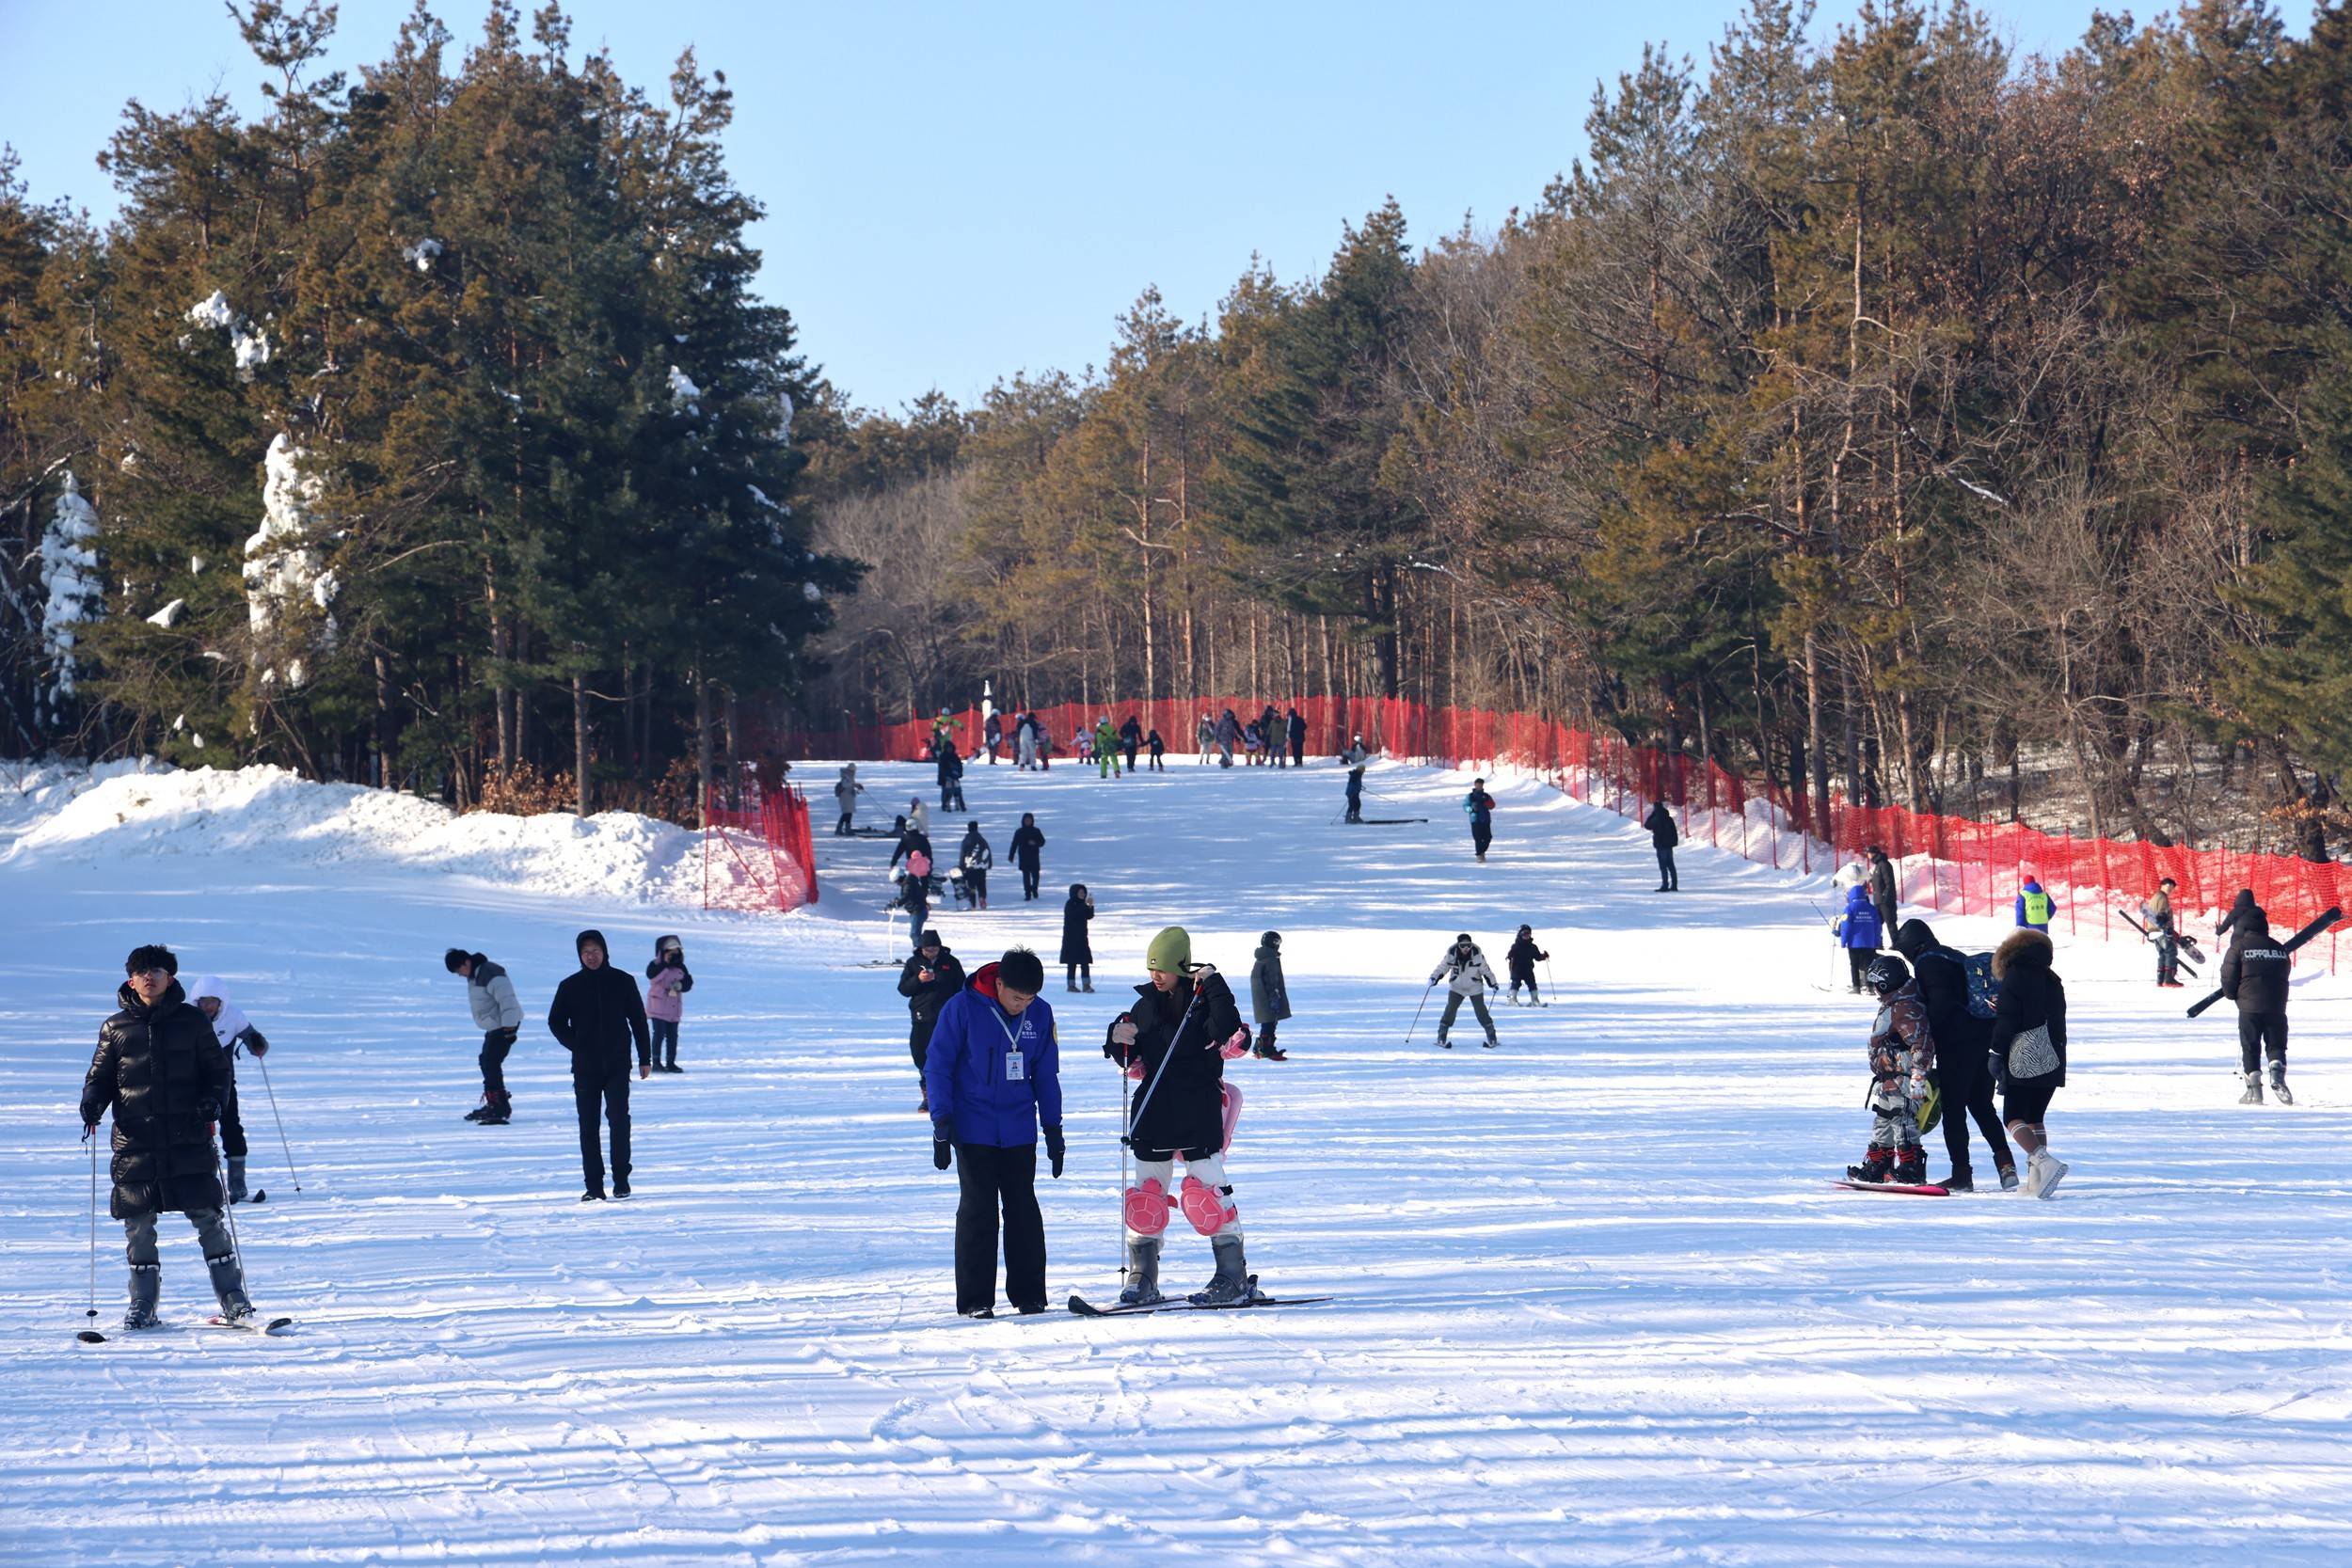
1127	1091
1549	987
221	1173
280	1121
91	1336
1174	1041
1418	1011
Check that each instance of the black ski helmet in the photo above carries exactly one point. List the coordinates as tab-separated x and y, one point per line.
1886	973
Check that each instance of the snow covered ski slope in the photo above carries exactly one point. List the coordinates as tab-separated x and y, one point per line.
1597	1301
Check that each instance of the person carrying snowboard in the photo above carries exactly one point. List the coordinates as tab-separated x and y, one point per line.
1521	961
1467	979
2254	975
667	981
1174	1040
1028	842
2165	932
235	1033
1663	836
1859	933
1269	995
992	735
929	976
499	1014
976	857
161	1073
1077	953
1480	807
845	793
1902	1053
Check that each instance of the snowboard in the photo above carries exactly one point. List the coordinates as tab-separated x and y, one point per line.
1924	1189
2326	919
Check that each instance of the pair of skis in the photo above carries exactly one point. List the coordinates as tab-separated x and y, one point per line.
252	1322
1086	1308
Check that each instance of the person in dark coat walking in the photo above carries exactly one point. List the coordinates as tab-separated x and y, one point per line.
596	1014
975	859
1159	752
1962	1041
1663	836
1269	995
2029	1039
1077	954
1480	807
2254	975
1028	841
2240	907
1295	731
929	976
992	1076
1131	740
162	1073
1882	887
1174	1040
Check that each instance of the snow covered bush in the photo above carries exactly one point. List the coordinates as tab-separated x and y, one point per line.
281	568
69	574
250	343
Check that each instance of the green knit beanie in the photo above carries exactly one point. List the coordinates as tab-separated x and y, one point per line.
1170	952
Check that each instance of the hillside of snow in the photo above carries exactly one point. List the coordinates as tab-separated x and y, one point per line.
1596	1300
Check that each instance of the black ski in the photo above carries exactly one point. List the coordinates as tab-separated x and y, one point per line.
252	1322
1086	1308
1387	821
2306	934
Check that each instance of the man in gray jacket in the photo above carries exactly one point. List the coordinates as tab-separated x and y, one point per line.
498	1014
1269	995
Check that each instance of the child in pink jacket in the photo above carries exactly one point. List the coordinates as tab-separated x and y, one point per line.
667	981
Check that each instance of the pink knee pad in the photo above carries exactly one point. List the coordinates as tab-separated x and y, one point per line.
1147	1208
1206	1207
1231	1097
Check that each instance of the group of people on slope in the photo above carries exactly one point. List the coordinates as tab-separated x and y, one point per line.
1271	739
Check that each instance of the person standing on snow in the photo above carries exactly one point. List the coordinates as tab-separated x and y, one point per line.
1480	807
1077	953
951	798
1882	888
1106	748
2034	907
976	857
1903	1052
1131	740
845	793
2254	975
1269	995
1355	794
2240	907
235	1032
161	1073
2029	1039
1466	977
1521	961
499	1014
1298	733
1859	933
918	815
595	1015
992	735
1024	743
2165	932
1227	736
1174	1040
929	976
1027	842
991	1076
667	981
1962	1041
1159	751
1206	735
1663	836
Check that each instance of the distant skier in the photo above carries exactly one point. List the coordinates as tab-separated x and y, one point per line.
975	859
1466	977
161	1073
2034	907
1663	836
1086	744
1024	743
1357	753
235	1033
1355	792
1107	749
2165	932
1961	1039
597	1015
929	976
1205	735
951	794
1174	1040
845	793
1159	751
1077	953
1131	740
1269	995
2029	1041
1882	887
992	1077
1296	729
1902	1053
1480	807
1028	842
1044	742
1521	959
1859	933
667	981
992	735
499	1014
1270	736
1252	744
2254	975
1227	736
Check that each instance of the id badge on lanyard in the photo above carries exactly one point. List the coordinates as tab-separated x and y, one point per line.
1016	1066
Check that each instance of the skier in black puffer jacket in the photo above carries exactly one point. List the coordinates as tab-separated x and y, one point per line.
1174	1040
1961	1039
2254	975
161	1071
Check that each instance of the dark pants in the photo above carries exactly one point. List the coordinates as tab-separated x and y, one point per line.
1961	1100
994	1179
1298	753
2168	957
919	1044
1858	959
610	1093
1265	1033
495	1045
841	828
664	1038
978	882
1668	880
232	1128
2254	1031
1480	837
1130	749
1158	765
918	915
1029	875
1454	1000
1528	980
1072	974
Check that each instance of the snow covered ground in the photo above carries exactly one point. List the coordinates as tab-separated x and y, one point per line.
1597	1301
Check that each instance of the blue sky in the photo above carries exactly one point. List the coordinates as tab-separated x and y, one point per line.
956	192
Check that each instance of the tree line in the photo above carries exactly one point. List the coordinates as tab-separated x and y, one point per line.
1863	415
424	431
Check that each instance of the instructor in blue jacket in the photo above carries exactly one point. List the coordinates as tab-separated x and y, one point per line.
993	1074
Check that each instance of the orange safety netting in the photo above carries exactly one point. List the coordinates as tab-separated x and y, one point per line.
761	857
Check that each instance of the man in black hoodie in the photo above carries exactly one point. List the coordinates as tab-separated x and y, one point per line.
596	1014
929	976
1961	1039
1663	836
2254	975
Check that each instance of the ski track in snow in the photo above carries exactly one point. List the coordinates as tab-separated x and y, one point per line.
1598	1302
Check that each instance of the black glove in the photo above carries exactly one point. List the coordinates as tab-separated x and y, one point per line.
505	1037
941	1147
1055	1148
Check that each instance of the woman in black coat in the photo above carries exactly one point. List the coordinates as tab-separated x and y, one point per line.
1026	842
2029	1041
1077	954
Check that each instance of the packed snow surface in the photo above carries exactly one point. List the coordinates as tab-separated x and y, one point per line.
1598	1302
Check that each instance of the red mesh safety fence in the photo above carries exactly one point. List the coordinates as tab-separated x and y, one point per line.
1951	864
760	857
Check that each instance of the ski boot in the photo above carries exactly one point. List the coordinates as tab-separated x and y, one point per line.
147	1288
1876	1166
2279	1083
1232	1284
2254	1095
228	1285
2008	1179
1912	1169
1443	1043
236	1181
1491	1042
1143	1273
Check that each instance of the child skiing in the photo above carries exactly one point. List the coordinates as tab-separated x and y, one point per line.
1464	971
1859	933
1479	807
1902	1057
235	1032
1522	960
668	980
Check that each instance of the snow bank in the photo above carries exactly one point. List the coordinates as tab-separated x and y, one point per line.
127	812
